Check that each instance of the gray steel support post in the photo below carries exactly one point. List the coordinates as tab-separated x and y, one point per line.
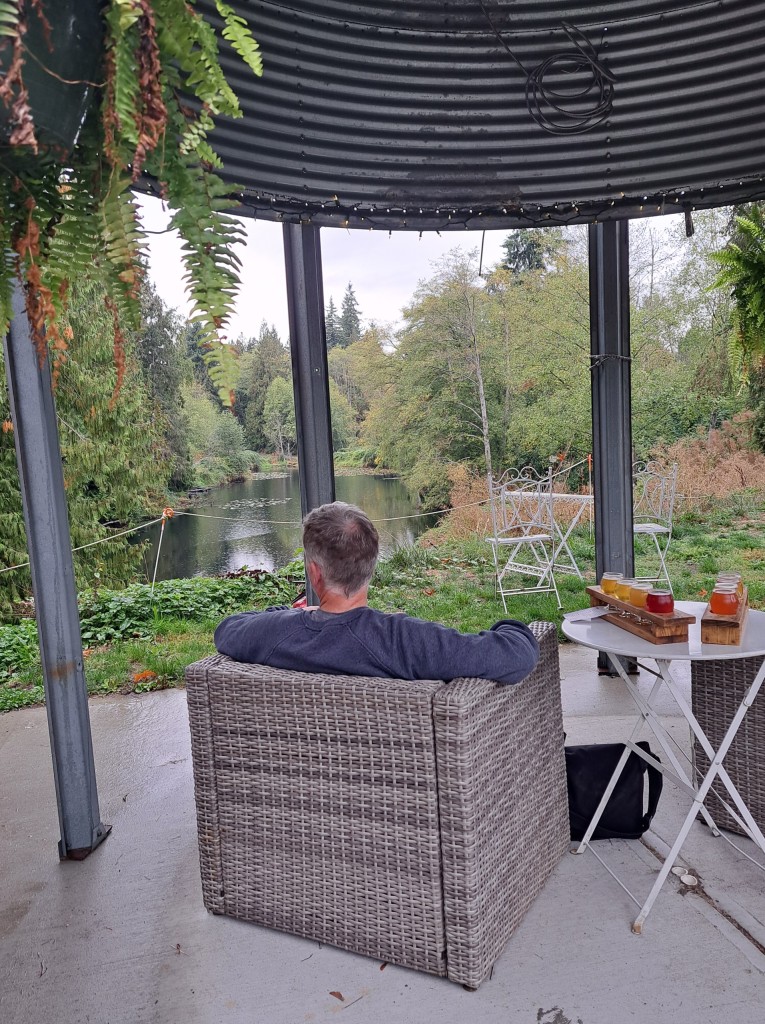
310	374
50	555
611	400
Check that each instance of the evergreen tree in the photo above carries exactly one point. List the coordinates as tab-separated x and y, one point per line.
332	325
531	249
113	453
267	360
159	347
195	348
350	319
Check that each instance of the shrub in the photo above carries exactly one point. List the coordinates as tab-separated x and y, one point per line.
18	646
718	464
113	614
135	612
362	457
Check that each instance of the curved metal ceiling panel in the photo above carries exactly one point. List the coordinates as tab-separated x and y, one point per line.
424	114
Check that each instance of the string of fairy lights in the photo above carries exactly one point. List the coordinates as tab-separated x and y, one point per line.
571	78
335	212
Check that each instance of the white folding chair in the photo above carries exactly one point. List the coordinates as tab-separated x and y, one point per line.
524	540
569	507
653	502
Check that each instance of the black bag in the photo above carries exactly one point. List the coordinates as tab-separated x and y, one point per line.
588	769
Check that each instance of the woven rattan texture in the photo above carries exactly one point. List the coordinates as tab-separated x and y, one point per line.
717	690
322	790
205	789
414	822
504	805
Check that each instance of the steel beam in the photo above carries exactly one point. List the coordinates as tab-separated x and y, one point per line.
310	374
50	554
611	399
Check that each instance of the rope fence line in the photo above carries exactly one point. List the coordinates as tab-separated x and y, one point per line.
233	519
297	522
92	543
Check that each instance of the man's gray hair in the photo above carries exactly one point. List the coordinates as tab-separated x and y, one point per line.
342	541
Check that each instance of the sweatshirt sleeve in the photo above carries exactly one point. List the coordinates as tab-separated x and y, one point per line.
248	636
506	653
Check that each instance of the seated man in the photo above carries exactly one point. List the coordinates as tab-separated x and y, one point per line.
345	636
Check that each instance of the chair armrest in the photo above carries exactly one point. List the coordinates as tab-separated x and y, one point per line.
205	780
504	805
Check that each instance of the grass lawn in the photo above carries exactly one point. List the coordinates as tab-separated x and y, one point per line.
448	581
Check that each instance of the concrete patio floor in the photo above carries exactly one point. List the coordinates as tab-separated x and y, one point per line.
123	938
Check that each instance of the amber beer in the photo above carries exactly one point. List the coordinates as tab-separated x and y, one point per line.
724	600
609	580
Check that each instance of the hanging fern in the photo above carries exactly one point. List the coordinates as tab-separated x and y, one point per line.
742	271
62	218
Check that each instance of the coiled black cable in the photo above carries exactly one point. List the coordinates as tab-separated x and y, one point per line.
566	111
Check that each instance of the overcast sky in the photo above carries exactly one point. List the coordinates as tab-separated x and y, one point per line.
384	270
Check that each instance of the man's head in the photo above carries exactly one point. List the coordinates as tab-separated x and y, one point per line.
341	540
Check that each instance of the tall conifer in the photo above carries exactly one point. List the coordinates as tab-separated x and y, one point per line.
350	318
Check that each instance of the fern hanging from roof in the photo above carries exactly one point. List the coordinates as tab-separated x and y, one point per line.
153	114
742	271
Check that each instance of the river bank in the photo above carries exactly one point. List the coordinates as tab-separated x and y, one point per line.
138	643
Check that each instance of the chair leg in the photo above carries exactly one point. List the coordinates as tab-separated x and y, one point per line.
662	553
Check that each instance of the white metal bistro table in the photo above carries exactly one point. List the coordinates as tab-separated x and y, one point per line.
616	642
563	556
519	500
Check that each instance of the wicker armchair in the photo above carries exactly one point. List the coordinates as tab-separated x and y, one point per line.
413	822
717	689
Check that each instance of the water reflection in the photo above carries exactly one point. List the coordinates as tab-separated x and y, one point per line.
256	523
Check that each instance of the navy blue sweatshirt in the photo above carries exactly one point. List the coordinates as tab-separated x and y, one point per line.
367	642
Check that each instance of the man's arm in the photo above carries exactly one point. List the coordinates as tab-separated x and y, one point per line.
416	649
250	636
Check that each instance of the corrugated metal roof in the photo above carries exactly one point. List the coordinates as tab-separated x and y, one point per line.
419	114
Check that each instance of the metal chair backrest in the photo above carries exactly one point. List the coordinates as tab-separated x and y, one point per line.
653	495
522	502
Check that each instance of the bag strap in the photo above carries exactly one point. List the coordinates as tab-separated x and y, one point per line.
655	783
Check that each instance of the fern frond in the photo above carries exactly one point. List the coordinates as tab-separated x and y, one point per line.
126	13
124	244
237	32
222	365
207	234
9	18
122	98
190	41
74	243
742	270
194	139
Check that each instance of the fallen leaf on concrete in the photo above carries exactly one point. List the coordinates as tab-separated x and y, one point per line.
338	995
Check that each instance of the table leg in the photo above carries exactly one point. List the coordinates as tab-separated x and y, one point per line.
637	925
563	544
649	717
716	758
715	769
661	734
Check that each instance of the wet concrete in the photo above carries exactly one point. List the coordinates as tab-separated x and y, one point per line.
123	938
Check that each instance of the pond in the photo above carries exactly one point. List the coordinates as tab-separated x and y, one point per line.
257	523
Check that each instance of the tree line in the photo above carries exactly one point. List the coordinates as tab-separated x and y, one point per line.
486	371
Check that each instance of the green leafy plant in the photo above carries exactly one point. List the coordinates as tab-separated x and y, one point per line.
18	646
135	611
742	271
147	113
